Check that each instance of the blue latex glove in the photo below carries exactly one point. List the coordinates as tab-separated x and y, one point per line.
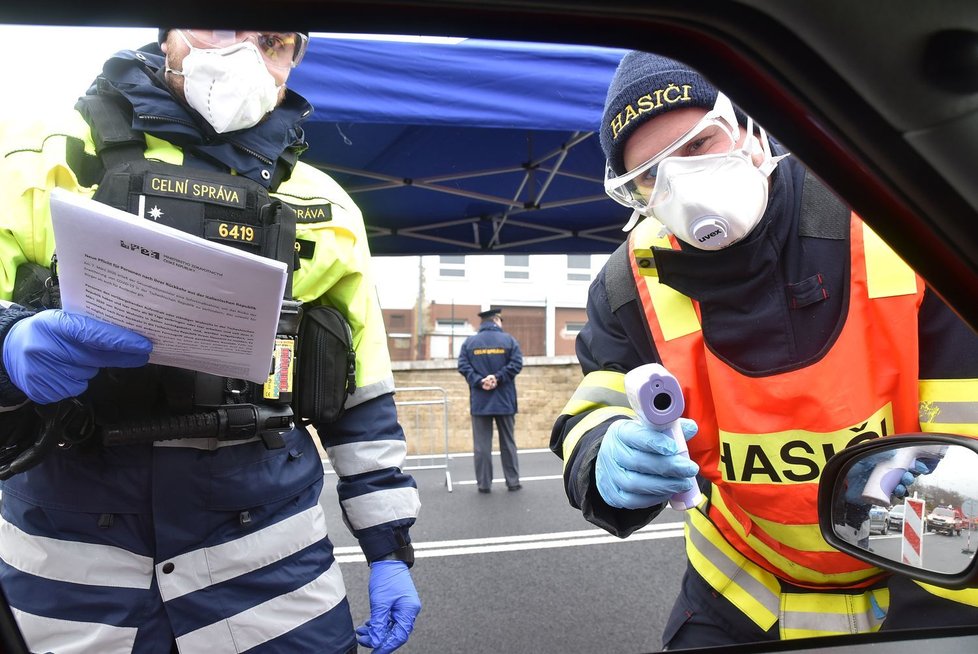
52	355
858	475
638	467
394	605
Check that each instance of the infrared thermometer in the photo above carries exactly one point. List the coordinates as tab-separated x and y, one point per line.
656	397
887	473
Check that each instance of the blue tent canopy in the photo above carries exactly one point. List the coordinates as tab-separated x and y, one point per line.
464	148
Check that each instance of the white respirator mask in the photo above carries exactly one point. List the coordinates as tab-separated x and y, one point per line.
711	200
230	87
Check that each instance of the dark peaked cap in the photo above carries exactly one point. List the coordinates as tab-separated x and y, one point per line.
489	313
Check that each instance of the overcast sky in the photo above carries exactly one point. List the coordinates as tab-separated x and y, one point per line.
52	66
56	64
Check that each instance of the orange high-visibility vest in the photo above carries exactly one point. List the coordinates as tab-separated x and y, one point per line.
763	440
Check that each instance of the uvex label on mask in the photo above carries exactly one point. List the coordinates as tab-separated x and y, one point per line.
796	456
657	99
195	190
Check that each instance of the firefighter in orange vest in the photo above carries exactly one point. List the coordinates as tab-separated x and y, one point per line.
794	332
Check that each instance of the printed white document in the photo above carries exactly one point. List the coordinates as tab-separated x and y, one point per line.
205	306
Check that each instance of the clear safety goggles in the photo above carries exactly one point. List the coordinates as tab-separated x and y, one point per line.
279	49
716	133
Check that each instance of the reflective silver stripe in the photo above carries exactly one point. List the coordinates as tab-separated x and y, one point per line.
71	637
382	506
268	620
951	413
212	565
78	563
370	391
13	408
356	458
202	443
828	623
834	613
731	570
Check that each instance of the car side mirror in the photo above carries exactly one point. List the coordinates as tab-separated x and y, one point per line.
934	478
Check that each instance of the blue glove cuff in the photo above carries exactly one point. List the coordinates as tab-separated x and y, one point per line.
404	554
10	395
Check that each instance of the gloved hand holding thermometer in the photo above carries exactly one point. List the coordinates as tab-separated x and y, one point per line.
51	355
643	463
900	469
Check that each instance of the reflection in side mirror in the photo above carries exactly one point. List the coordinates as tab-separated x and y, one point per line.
907	504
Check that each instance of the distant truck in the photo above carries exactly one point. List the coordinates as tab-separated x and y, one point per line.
945	520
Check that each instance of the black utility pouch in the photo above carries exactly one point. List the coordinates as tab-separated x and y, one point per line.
36	287
325	366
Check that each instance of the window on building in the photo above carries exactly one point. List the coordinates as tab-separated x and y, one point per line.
397	320
449	325
516	266
573	328
579	267
451	265
401	343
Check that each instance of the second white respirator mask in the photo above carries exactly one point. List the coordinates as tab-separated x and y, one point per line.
230	87
702	188
711	201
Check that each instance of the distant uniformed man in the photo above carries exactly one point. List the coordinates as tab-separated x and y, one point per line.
490	361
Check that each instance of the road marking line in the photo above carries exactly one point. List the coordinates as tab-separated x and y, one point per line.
471	482
469	455
352	554
459	455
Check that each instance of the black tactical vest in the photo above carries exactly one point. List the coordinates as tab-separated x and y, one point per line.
140	404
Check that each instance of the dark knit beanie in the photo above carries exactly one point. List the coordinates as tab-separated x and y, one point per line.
644	86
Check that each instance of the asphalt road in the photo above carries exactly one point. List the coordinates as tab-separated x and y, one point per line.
523	572
948	554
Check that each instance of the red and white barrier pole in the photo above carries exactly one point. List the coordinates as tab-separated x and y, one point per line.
912	550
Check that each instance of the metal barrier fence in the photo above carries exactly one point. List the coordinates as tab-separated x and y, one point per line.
427	441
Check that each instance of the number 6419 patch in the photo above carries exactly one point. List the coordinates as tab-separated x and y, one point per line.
216	230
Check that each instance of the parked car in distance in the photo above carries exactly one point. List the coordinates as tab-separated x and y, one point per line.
896	517
944	520
879	520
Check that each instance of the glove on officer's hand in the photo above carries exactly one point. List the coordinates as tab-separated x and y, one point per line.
394	605
52	355
919	468
638	467
858	476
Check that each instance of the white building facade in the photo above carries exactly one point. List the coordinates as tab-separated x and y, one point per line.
545	294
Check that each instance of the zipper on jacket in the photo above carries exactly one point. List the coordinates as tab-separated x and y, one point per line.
166	119
321	337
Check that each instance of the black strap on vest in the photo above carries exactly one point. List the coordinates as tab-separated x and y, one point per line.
116	142
823	213
284	165
618	278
